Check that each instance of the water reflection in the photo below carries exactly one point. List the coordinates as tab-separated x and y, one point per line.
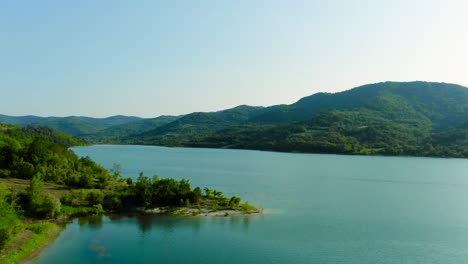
93	222
147	223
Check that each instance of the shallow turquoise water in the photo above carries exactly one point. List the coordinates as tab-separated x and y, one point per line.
320	209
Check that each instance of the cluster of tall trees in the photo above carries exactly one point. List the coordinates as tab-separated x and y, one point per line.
153	191
36	203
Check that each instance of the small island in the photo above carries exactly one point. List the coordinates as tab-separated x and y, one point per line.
43	185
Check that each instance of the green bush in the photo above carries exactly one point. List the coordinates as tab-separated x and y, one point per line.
95	197
50	206
234	202
112	201
77	211
246	206
98	209
5	237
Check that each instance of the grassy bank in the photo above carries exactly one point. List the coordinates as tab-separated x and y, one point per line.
29	242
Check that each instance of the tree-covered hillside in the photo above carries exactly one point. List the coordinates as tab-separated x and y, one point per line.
416	118
390	118
71	125
26	152
117	133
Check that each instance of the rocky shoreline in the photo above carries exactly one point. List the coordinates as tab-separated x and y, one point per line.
192	211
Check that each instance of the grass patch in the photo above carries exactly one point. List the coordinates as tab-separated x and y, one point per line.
40	228
38	234
20	185
78	211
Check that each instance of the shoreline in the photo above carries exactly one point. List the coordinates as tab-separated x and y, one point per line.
202	212
276	151
31	241
41	247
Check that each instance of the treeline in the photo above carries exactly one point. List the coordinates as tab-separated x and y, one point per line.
52	135
358	131
147	192
26	152
34	154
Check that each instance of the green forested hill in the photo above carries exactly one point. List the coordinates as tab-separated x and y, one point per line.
72	125
415	118
444	104
116	133
201	124
106	130
390	118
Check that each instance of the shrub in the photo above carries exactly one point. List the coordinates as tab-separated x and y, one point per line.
5	237
39	228
246	206
234	202
95	197
112	201
98	209
50	206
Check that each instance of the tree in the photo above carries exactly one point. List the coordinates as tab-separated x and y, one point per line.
95	197
38	203
234	201
116	171
50	206
208	192
143	190
184	188
197	194
34	192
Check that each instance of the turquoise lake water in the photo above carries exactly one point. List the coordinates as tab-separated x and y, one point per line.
319	209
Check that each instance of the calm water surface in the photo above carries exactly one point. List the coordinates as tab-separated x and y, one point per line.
319	209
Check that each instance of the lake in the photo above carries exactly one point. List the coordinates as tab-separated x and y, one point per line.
319	209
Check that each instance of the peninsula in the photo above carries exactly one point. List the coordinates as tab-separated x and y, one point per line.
43	184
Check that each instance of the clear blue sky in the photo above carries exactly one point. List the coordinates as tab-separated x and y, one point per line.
148	58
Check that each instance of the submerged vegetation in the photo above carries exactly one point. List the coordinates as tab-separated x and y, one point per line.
42	183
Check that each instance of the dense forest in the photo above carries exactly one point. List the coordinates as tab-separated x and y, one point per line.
390	118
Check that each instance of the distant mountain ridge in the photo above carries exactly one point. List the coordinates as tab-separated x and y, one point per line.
77	126
389	118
